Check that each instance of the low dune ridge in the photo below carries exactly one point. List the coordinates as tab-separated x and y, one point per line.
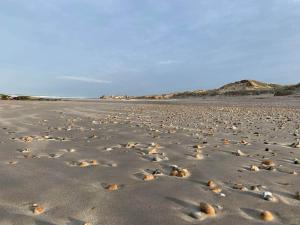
238	88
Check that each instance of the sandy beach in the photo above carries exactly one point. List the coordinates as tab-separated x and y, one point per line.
200	161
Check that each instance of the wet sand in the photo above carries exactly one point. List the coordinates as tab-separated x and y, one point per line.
150	162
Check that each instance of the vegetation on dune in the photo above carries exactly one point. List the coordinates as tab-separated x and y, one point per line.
288	90
238	88
25	98
4	97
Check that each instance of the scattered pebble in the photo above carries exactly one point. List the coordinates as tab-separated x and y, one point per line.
296	144
197	146
112	187
207	209
37	209
179	172
268	162
211	184
240	153
268	196
149	177
240	187
12	162
266	216
254	168
83	164
27	139
216	190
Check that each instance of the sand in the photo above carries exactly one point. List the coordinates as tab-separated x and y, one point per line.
150	162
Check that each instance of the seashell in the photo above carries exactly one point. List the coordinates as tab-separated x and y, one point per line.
83	164
36	209
157	172
178	172
93	162
216	190
266	216
130	145
268	196
182	173
268	162
149	177
197	146
254	168
112	187
244	142
25	150
211	184
152	151
240	153
293	172
240	187
155	145
27	139
174	173
207	209
296	144
198	156
226	141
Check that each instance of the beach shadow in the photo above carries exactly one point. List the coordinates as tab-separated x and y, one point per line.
73	221
40	222
251	213
187	205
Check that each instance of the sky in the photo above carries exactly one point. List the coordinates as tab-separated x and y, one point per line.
91	48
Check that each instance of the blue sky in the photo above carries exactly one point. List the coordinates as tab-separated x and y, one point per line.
135	47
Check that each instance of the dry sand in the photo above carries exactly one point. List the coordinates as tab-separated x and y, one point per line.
111	163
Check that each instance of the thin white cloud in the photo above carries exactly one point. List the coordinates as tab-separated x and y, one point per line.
167	62
84	79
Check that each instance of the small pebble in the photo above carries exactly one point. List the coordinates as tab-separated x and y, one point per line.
268	196
207	209
112	187
149	177
266	216
211	184
268	162
254	168
37	209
